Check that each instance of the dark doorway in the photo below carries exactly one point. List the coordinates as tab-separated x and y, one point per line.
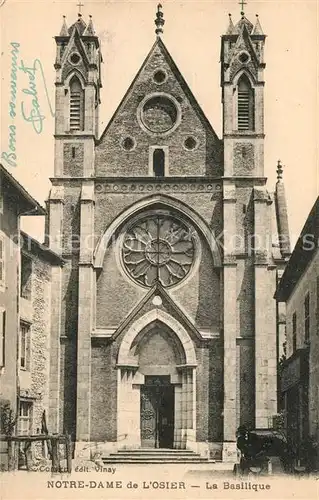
159	163
157	412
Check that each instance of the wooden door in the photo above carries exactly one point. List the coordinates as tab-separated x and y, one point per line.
148	417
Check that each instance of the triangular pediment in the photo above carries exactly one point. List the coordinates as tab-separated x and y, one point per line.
243	45
160	96
160	58
158	299
75	45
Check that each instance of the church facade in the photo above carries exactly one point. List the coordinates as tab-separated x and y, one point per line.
167	335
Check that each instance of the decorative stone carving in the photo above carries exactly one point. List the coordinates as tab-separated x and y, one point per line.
158	249
244	158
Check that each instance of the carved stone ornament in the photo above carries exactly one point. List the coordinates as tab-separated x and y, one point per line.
160	249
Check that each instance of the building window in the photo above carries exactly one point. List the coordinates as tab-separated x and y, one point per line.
25	418
2	262
76	105
2	336
159	163
26	277
294	332
245	104
307	318
1	198
24	346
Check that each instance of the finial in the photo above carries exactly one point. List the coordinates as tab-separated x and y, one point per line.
80	5
159	21
279	170
64	29
242	3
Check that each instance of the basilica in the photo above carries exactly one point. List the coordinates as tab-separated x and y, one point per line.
164	327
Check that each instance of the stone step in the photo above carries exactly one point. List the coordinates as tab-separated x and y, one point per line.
152	451
153	460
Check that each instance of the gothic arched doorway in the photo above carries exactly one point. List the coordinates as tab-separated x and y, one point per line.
156	384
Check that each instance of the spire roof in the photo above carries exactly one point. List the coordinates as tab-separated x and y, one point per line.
159	21
231	26
257	28
64	29
89	30
241	23
80	25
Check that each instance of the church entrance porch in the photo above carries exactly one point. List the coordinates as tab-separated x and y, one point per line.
157	412
156	392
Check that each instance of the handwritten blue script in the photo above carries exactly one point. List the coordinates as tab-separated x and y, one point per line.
10	156
31	111
34	115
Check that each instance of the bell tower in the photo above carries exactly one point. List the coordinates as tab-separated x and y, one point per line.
78	83
242	81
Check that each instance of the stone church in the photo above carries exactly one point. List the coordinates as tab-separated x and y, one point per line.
164	331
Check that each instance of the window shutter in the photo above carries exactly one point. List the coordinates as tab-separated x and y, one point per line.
1	260
76	105
243	110
245	105
2	336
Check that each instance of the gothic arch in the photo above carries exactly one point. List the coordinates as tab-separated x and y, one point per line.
146	203
162	316
247	73
77	74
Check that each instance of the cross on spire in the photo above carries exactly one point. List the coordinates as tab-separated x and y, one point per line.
80	5
242	3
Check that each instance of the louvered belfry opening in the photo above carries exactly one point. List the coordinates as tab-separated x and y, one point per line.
76	105
246	109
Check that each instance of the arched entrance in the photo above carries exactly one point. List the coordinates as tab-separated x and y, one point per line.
156	385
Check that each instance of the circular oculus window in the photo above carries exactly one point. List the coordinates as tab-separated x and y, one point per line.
244	57
75	58
128	143
158	249
190	143
159	113
159	76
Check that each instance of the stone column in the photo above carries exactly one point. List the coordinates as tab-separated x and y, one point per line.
230	326
86	283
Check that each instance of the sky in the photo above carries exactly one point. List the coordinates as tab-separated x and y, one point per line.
192	35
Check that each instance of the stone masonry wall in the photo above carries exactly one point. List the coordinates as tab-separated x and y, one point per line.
113	160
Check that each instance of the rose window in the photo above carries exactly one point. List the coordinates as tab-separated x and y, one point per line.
158	249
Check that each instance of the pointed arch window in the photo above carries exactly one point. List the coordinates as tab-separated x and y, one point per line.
245	104
76	105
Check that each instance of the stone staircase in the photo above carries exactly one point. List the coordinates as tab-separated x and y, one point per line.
153	456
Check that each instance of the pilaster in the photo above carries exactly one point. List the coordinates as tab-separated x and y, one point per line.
55	205
85	312
230	305
265	316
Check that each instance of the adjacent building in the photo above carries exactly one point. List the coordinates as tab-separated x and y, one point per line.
15	202
28	272
299	289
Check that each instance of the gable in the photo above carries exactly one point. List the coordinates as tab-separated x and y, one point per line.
157	299
158	112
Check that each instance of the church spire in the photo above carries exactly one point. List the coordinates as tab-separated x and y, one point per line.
282	213
159	21
64	29
257	28
89	30
230	28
